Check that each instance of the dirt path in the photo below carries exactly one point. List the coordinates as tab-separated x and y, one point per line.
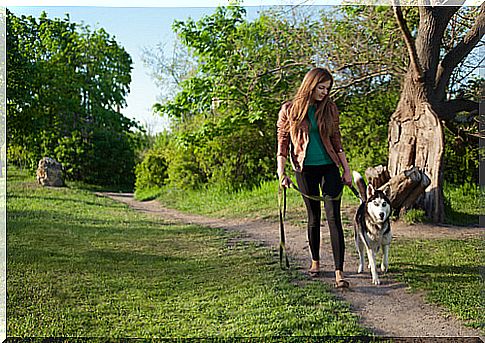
388	309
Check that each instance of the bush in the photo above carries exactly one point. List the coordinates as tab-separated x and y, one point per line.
461	159
152	171
414	216
364	122
70	152
184	170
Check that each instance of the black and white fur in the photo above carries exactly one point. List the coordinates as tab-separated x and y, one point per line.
372	228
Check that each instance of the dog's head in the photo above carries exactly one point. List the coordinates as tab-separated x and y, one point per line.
378	205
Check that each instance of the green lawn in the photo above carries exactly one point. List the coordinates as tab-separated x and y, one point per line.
447	269
85	266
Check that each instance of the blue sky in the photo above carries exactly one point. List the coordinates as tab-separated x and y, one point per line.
135	28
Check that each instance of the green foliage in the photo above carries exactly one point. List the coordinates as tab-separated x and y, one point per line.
184	170
65	84
69	150
152	171
364	119
414	216
461	161
224	117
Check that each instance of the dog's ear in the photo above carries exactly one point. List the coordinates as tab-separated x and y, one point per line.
370	191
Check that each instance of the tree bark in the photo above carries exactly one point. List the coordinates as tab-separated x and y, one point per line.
377	176
404	188
416	139
415	135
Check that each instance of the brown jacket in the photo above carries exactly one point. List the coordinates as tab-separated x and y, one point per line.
297	148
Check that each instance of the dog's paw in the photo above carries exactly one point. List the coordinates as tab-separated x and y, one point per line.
361	269
376	281
384	268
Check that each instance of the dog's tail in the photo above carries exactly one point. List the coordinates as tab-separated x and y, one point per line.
361	186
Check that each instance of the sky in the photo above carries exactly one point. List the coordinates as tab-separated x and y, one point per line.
136	28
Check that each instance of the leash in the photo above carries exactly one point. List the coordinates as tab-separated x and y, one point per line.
311	197
356	192
282	208
319	198
282	211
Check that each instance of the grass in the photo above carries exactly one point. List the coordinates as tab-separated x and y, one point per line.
463	204
260	202
448	270
414	216
84	266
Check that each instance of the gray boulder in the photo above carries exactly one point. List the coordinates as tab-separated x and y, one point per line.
49	173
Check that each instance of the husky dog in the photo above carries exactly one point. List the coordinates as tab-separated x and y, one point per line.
372	226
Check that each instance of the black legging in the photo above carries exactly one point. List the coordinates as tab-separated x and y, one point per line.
310	180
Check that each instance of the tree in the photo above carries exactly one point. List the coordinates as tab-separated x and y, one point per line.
65	86
367	58
225	113
416	135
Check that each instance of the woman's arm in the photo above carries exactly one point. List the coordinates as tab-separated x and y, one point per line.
283	136
346	177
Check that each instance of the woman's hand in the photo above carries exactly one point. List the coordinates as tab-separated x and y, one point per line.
347	178
285	181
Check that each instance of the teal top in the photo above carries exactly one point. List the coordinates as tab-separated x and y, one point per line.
316	154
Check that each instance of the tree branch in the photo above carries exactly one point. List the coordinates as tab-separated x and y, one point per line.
281	68
349	65
459	52
361	79
447	110
413	55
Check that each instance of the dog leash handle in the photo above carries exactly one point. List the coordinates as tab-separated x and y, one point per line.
282	210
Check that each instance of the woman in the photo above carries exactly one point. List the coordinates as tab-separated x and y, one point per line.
308	130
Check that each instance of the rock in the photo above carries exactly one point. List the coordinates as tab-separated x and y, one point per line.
49	173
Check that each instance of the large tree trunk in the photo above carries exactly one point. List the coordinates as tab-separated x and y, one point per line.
416	139
416	136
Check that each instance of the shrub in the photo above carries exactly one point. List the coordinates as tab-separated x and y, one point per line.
152	171
414	216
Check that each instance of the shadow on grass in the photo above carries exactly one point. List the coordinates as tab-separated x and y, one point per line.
460	218
439	274
62	199
100	188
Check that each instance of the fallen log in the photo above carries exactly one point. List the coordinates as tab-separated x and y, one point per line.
403	189
377	176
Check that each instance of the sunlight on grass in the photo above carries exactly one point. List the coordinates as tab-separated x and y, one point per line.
258	203
448	270
82	265
463	204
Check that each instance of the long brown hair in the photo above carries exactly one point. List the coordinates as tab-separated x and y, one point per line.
301	102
